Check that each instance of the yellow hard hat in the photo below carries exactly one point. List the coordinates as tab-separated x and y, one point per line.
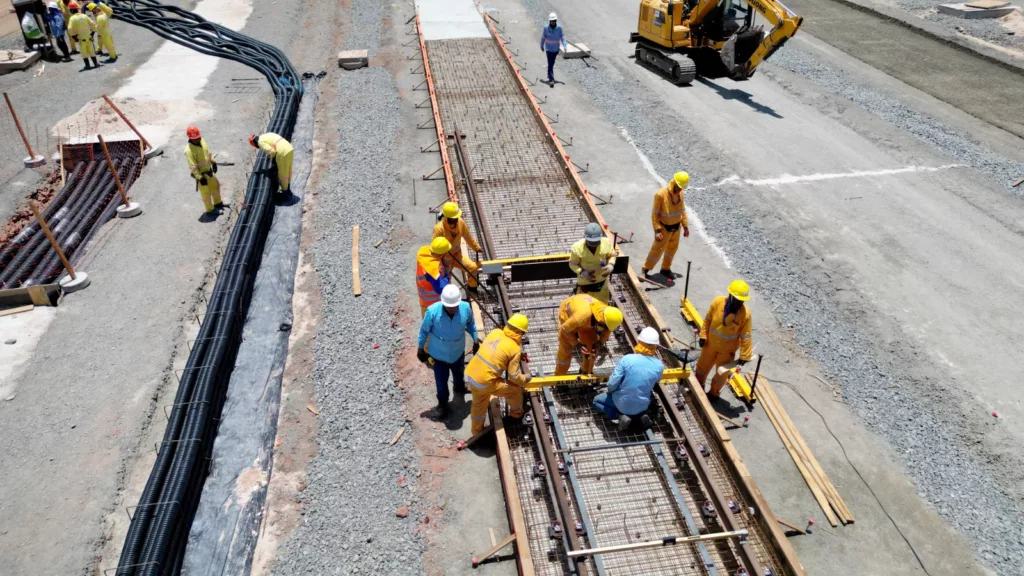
451	210
440	245
519	322
91	5
612	317
739	290
682	180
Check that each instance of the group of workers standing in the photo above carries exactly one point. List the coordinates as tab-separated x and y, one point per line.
74	21
586	320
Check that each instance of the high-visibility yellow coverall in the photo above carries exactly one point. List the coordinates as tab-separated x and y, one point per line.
281	151
495	371
723	335
82	27
107	10
667	217
576	317
103	37
72	45
200	163
456	236
581	260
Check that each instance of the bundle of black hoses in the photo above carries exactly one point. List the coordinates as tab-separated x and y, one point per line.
159	530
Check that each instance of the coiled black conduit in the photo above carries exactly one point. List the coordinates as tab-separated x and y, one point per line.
156	538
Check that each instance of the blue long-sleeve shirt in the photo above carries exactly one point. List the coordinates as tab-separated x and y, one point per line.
551	39
632	381
443	336
56	21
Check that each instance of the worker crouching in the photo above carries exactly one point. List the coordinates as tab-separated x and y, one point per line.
203	168
496	370
453	229
631	383
726	329
431	275
593	259
442	343
586	322
667	217
281	152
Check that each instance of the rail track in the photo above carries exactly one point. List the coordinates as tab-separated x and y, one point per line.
579	483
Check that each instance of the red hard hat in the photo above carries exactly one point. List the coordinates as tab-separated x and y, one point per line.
192	132
252	139
72	5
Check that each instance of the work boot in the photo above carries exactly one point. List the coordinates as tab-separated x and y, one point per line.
670	274
73	52
443	410
645	421
95	63
460	391
624	422
220	205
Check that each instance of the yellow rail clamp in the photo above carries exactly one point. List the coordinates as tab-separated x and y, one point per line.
669	376
690	314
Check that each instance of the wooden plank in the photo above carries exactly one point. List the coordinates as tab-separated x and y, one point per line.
509	484
21	296
494	549
478	317
18	310
1018	182
38	295
357	288
791	526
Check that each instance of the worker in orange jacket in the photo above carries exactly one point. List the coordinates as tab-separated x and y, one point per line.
583	321
667	216
431	274
496	370
726	329
453	229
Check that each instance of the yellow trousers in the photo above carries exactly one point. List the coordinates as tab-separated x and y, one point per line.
284	169
707	362
563	359
667	246
512	394
210	192
471	266
72	44
106	43
86	48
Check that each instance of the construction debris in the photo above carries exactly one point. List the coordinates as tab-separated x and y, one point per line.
353	59
981	9
575	51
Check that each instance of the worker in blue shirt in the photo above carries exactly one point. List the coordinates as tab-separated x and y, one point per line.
629	388
551	39
442	343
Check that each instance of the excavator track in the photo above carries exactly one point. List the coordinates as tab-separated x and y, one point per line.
678	68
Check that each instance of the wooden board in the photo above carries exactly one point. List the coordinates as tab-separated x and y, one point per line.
508	483
357	288
987	4
42	295
18	310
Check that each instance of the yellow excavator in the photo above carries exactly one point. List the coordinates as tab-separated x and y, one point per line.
710	38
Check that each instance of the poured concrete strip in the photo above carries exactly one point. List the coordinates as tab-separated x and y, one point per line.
450	19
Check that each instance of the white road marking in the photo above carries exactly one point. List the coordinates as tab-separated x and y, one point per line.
791	179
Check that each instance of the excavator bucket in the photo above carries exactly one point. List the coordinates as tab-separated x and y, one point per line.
728	55
738	49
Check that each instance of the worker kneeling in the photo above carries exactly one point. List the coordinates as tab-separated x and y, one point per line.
442	342
496	370
586	322
726	329
453	229
629	388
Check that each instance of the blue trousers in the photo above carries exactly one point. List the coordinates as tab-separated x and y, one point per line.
604	403
551	65
441	372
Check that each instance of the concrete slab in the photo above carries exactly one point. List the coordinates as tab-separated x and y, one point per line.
11	61
450	19
969	12
353	59
576	50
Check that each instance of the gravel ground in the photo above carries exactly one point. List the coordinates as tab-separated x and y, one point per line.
357	481
1007	31
973	488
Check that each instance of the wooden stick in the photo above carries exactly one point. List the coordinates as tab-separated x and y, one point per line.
357	288
494	541
475	438
18	310
60	149
53	241
725	418
110	164
494	550
508	481
128	122
31	154
792	527
1018	182
398	435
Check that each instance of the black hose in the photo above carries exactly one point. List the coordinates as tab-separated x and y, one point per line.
158	533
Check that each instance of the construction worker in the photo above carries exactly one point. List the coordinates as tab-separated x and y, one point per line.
496	370
443	340
83	29
58	27
453	228
629	388
586	322
431	275
551	39
105	9
726	329
281	151
66	12
104	40
593	259
204	169
668	215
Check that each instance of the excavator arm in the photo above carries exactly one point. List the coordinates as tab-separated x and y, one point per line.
784	25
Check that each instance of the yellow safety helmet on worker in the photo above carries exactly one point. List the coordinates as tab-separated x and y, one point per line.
682	179
611	317
519	322
440	246
451	210
739	290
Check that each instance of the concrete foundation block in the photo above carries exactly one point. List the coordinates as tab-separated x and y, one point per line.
576	50
130	210
34	162
353	59
969	12
80	282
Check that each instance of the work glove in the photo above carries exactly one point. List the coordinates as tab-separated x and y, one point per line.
702	342
214	167
476	346
607	268
659	236
422	355
203	180
686	231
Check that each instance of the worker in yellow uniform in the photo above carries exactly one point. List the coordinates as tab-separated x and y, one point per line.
83	28
281	151
726	329
104	40
668	215
204	169
586	322
66	12
431	274
105	9
593	259
453	229
496	370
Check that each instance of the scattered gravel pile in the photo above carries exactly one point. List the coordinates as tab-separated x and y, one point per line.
364	26
975	490
357	480
995	30
951	142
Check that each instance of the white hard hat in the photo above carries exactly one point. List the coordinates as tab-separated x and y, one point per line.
650	336
552	16
52	5
451	296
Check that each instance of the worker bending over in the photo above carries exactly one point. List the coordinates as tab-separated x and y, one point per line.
82	29
453	229
629	388
726	329
586	322
496	370
281	152
593	259
668	215
203	168
443	340
431	275
104	40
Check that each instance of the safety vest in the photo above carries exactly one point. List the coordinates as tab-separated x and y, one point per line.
581	258
455	238
727	334
497	359
668	209
429	266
